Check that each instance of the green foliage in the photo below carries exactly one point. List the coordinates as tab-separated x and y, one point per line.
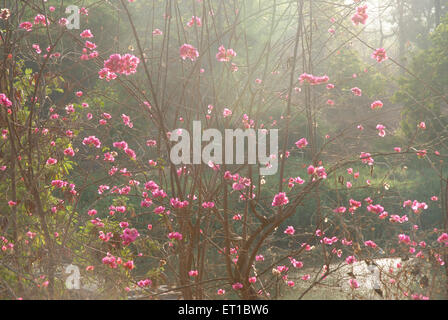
420	103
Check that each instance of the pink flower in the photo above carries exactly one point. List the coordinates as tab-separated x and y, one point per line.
226	112
51	161
379	55
381	131
193	273
69	152
313	80
208	205
311	170
377	209
194	20
224	55
157	32
402	238
28	26
252	279
151	143
306	277
221	292
280	199
443	238
62	21
289	230
366	158
110	260
417	207
92	140
290	283
127	121
376	105
353	283
123	224
129	236
37	48
129	264
370	243
295	263
350	260
356	91
175	235
360	16
237	286
90	45
4	101
259	258
176	203
126	64
320	172
86	34
301	143
40	19
188	51
144	283
340	210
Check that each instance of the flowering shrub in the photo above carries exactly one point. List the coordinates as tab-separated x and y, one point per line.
86	176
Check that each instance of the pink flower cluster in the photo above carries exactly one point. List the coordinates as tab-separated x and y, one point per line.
4	101
402	238
118	64
319	171
443	239
110	260
360	15
208	205
40	19
379	55
144	283
376	105
224	55
175	235
370	243
366	158
89	46
290	230
301	143
92	140
176	203
129	236
313	80
356	91
280	199
28	26
188	51
194	20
